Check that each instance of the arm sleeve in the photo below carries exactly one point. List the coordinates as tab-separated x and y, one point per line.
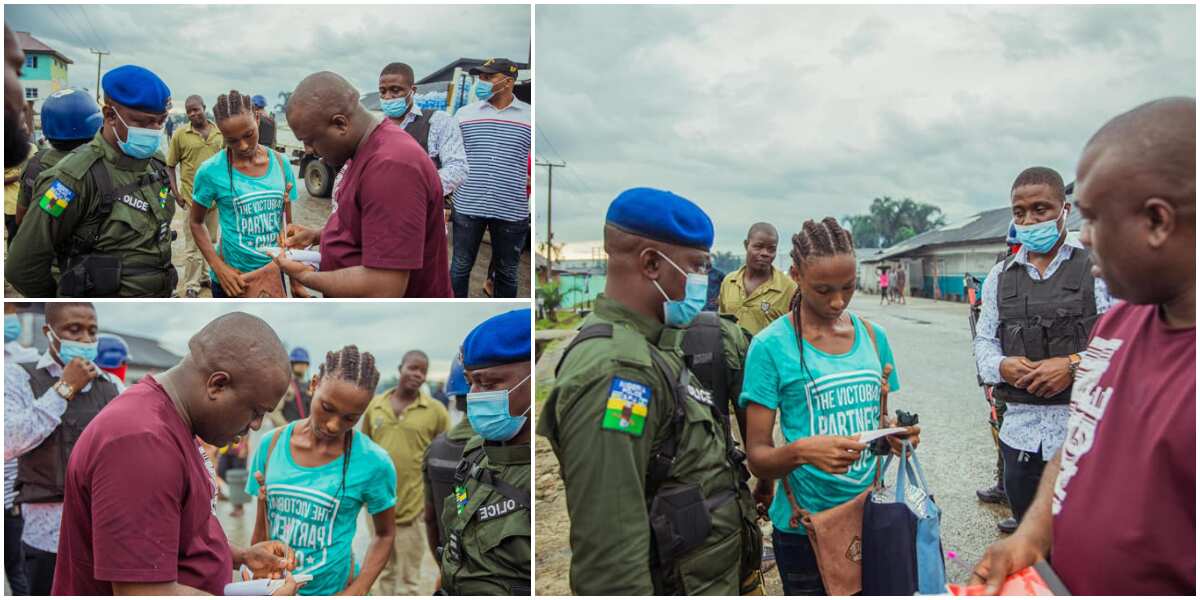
27	421
452	153
380	493
138	490
204	190
988	354
258	461
395	203
32	252
885	351
760	383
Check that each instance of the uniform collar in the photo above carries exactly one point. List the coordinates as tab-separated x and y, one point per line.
118	159
212	129
775	282
385	402
509	454
611	310
1064	251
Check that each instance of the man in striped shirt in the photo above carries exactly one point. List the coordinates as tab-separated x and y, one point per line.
497	132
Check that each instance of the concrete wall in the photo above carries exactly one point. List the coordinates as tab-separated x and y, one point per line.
48	77
950	264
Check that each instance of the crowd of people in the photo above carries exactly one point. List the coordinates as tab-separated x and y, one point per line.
1088	348
154	458
91	213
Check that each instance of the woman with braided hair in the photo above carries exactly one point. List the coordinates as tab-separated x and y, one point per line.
313	476
251	187
823	372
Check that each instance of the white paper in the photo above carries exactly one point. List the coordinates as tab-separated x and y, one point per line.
867	437
311	258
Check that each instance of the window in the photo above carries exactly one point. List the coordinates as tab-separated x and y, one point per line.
31	62
31	93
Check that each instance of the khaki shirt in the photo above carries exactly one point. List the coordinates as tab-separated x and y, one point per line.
189	150
405	437
768	302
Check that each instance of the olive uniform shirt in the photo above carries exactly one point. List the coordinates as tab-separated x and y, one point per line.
769	301
65	199
405	437
495	557
189	150
609	409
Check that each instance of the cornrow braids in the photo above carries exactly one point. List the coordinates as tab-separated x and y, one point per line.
230	105
348	364
826	238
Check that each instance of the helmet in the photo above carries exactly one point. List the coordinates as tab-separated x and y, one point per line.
456	384
71	114
111	351
299	355
259	101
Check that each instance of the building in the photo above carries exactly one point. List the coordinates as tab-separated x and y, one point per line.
45	70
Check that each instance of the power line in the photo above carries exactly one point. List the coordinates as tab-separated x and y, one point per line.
574	176
550	166
69	26
99	40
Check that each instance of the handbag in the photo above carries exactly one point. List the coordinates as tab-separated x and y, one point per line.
912	489
836	534
889	536
267	280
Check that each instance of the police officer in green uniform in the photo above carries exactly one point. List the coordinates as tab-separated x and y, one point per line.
100	219
69	119
487	518
443	455
655	483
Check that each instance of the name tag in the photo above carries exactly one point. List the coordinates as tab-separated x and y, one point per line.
499	509
135	203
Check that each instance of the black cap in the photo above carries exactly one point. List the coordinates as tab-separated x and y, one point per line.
496	65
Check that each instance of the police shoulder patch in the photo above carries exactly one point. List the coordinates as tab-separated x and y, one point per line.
56	198
627	406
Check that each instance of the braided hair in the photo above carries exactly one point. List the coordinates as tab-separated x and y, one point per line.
816	240
348	364
232	105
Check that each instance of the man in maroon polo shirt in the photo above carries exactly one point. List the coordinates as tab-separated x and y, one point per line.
1116	510
386	237
139	515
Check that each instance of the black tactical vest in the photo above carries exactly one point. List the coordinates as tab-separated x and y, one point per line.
42	471
1044	319
419	129
441	463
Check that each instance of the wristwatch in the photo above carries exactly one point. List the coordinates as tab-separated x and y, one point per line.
1073	364
64	389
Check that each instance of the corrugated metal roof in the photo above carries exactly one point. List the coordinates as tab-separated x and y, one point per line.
989	226
32	44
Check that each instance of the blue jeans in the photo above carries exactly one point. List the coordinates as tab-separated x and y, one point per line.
508	237
14	555
797	564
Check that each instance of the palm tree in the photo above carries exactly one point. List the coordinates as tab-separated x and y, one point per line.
282	106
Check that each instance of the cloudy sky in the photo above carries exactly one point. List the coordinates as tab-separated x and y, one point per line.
210	49
387	330
789	113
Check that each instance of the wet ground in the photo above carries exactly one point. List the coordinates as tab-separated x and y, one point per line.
932	345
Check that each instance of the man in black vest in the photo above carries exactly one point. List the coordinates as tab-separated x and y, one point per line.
436	131
46	407
1039	307
443	455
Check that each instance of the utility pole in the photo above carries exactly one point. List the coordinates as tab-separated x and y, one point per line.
550	166
99	57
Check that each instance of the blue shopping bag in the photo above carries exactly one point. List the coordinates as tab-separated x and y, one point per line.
931	564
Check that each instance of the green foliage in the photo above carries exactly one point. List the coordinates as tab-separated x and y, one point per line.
890	222
552	298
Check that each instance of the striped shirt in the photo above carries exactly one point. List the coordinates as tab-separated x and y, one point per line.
498	144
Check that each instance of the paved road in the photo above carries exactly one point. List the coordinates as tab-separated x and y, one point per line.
931	342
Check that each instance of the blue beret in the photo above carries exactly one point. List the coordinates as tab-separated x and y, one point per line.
500	340
136	87
111	351
662	216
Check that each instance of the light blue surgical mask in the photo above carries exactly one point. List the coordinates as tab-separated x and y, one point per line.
1041	237
140	142
484	90
394	107
69	350
12	328
488	414
679	313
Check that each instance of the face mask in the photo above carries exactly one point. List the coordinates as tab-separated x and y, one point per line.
679	313
488	414
141	142
484	90
395	107
69	350
1040	238
12	328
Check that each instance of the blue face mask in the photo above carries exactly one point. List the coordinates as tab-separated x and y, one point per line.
395	107
12	328
488	414
1040	238
484	90
69	350
140	142
679	313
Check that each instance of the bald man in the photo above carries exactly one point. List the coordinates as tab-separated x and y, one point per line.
757	293
1116	509
139	465
387	235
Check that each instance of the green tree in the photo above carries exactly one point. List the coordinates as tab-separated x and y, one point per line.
281	107
726	262
891	221
552	298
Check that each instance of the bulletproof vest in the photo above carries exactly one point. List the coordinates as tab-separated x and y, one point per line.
42	471
419	129
33	168
1045	319
441	464
704	353
515	499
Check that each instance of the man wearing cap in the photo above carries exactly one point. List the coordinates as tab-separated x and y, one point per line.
497	133
644	453
442	457
189	147
266	123
70	119
101	220
487	519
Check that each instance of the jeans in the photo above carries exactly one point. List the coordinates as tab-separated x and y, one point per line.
39	570
14	558
1022	474
507	239
797	564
